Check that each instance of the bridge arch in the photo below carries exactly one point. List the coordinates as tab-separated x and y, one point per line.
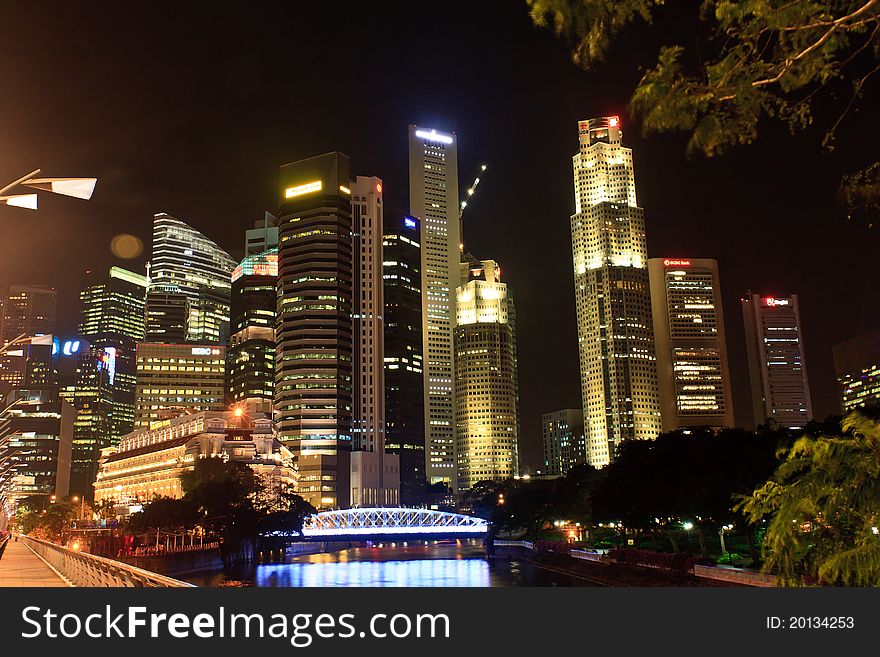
369	523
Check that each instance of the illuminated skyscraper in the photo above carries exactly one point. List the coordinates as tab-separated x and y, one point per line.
250	372
177	379
404	383
263	236
615	335
691	347
486	405
111	324
186	262
313	379
777	368
857	365
433	198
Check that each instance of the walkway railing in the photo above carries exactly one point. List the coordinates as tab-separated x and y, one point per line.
92	571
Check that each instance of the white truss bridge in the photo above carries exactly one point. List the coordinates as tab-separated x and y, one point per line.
366	523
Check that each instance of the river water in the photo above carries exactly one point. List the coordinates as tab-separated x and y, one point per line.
414	564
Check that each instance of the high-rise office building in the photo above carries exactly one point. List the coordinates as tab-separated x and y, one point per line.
857	366
28	310
314	341
564	444
615	334
692	368
777	368
263	236
368	423
29	361
112	323
375	474
186	262
486	412
433	198
36	432
404	370
166	314
176	379
250	370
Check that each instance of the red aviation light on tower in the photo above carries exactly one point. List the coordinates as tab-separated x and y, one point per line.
676	263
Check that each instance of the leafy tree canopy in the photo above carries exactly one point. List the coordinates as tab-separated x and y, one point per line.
823	506
749	59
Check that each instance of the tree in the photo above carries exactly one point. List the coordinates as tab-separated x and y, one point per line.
164	513
750	59
823	506
280	509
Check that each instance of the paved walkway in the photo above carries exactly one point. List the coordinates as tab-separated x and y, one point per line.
19	566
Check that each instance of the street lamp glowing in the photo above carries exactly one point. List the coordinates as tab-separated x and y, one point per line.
688	526
238	412
76	187
27	201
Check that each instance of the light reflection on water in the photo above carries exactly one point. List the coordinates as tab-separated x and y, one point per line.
414	564
412	572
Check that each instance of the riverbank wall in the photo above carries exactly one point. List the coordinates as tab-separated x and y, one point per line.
600	569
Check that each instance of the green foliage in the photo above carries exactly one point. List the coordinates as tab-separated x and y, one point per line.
38	516
860	192
226	499
823	505
748	60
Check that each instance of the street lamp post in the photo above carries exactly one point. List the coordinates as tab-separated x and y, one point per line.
76	187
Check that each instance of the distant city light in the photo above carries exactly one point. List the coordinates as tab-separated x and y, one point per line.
409	222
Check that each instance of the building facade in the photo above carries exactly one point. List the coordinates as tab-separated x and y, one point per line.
112	322
691	346
404	369
314	332
486	405
149	463
615	334
375	474
250	369
27	310
175	379
263	236
433	198
36	435
368	424
187	263
777	367
167	314
857	366
564	442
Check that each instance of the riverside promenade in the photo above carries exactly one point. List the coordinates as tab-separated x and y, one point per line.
20	566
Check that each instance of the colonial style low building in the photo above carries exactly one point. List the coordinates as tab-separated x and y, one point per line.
149	463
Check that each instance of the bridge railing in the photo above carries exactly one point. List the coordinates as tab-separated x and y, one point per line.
88	570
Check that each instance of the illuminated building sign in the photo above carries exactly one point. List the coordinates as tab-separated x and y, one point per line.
344	189
107	361
70	347
676	263
409	222
433	135
770	302
259	264
205	351
307	188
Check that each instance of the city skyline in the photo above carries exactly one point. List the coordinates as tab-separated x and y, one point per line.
753	227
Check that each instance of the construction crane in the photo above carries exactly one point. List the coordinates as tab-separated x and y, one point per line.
470	193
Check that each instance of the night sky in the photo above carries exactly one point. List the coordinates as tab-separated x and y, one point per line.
190	111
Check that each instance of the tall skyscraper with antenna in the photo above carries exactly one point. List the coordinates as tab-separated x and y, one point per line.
615	331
